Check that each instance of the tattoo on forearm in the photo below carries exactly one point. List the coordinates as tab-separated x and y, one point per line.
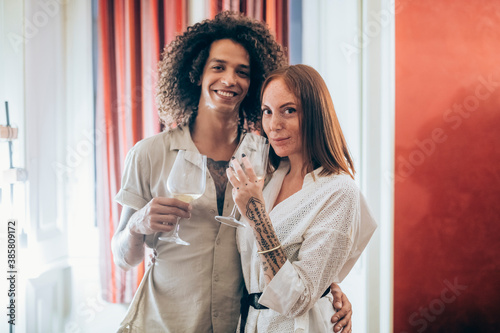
264	232
255	209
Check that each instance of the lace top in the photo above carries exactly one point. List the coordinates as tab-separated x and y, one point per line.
217	170
319	229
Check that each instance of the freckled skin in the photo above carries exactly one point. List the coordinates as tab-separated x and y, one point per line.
280	119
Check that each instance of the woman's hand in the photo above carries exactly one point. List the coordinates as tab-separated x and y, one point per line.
247	189
159	215
247	194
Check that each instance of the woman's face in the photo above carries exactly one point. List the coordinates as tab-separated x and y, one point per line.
280	119
226	76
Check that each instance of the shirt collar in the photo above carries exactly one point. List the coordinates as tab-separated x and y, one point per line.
181	139
308	179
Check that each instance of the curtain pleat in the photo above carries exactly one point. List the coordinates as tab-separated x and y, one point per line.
131	37
270	16
175	18
107	88
225	5
273	12
214	8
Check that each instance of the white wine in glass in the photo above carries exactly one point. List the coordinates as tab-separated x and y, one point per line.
186	182
256	148
186	197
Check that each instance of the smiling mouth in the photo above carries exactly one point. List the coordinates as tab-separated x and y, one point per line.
225	93
279	140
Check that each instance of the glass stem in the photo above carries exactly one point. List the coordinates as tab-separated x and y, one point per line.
233	212
175	232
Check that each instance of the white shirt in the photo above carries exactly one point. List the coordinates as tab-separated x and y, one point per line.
323	228
195	288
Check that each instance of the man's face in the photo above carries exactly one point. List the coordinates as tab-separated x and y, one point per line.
226	77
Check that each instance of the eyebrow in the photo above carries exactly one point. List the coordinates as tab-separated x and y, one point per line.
282	106
220	61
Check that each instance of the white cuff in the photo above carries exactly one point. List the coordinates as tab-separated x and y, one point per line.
284	290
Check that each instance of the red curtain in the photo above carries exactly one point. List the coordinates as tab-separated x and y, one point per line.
274	12
131	35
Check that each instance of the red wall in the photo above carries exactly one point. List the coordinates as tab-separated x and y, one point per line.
447	169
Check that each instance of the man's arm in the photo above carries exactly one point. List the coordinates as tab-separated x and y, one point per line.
127	246
159	215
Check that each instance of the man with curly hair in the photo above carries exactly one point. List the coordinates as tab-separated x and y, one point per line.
208	97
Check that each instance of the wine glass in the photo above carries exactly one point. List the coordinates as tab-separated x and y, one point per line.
186	182
256	148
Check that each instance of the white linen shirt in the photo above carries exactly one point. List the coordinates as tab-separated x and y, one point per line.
323	228
195	288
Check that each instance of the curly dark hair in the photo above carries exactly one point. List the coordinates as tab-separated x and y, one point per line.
183	60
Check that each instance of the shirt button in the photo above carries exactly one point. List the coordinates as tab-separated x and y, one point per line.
212	211
216	278
217	241
216	314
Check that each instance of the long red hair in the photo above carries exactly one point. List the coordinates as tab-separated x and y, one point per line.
322	139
